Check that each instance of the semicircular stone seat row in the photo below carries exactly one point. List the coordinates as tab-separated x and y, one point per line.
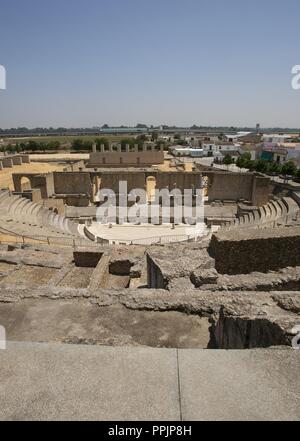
271	214
31	214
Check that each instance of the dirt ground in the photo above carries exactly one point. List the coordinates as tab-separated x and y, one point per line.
81	322
34	167
58	156
166	166
30	276
77	278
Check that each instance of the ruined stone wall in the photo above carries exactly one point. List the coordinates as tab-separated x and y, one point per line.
89	259
56	205
71	211
40	181
114	159
72	183
133	179
222	186
32	195
77	201
180	180
230	186
44	182
242	252
261	190
138	179
155	278
49	185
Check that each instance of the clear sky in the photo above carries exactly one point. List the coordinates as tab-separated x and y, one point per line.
208	62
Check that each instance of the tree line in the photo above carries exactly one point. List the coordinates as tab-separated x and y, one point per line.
78	144
263	166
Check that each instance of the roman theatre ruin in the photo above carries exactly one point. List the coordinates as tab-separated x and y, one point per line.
231	282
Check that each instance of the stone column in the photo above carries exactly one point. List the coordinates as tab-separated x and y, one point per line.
94	148
25	159
17	160
7	162
102	148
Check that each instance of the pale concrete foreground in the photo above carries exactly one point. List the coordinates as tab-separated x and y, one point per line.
41	381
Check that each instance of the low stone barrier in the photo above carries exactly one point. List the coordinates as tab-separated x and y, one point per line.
243	252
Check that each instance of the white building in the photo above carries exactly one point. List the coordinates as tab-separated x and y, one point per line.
236	136
292	149
275	139
187	151
214	149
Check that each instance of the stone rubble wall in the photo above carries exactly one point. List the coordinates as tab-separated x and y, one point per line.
262	250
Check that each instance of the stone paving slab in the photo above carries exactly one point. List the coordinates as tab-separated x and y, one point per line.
41	381
240	385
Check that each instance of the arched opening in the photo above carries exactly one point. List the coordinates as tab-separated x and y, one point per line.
150	187
205	183
25	184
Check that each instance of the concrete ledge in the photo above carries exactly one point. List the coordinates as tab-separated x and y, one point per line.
42	381
70	382
240	385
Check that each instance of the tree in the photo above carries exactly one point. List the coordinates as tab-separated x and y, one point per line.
154	136
252	165
101	141
130	142
227	160
275	168
243	161
161	143
53	145
78	144
289	168
240	162
247	156
261	166
142	138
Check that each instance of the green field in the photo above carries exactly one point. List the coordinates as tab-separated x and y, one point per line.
65	141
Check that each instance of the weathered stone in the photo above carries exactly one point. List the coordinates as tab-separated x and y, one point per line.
167	263
242	252
201	276
287	279
180	284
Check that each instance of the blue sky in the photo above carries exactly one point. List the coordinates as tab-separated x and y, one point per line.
209	62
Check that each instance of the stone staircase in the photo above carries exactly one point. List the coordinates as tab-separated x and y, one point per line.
274	213
20	216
